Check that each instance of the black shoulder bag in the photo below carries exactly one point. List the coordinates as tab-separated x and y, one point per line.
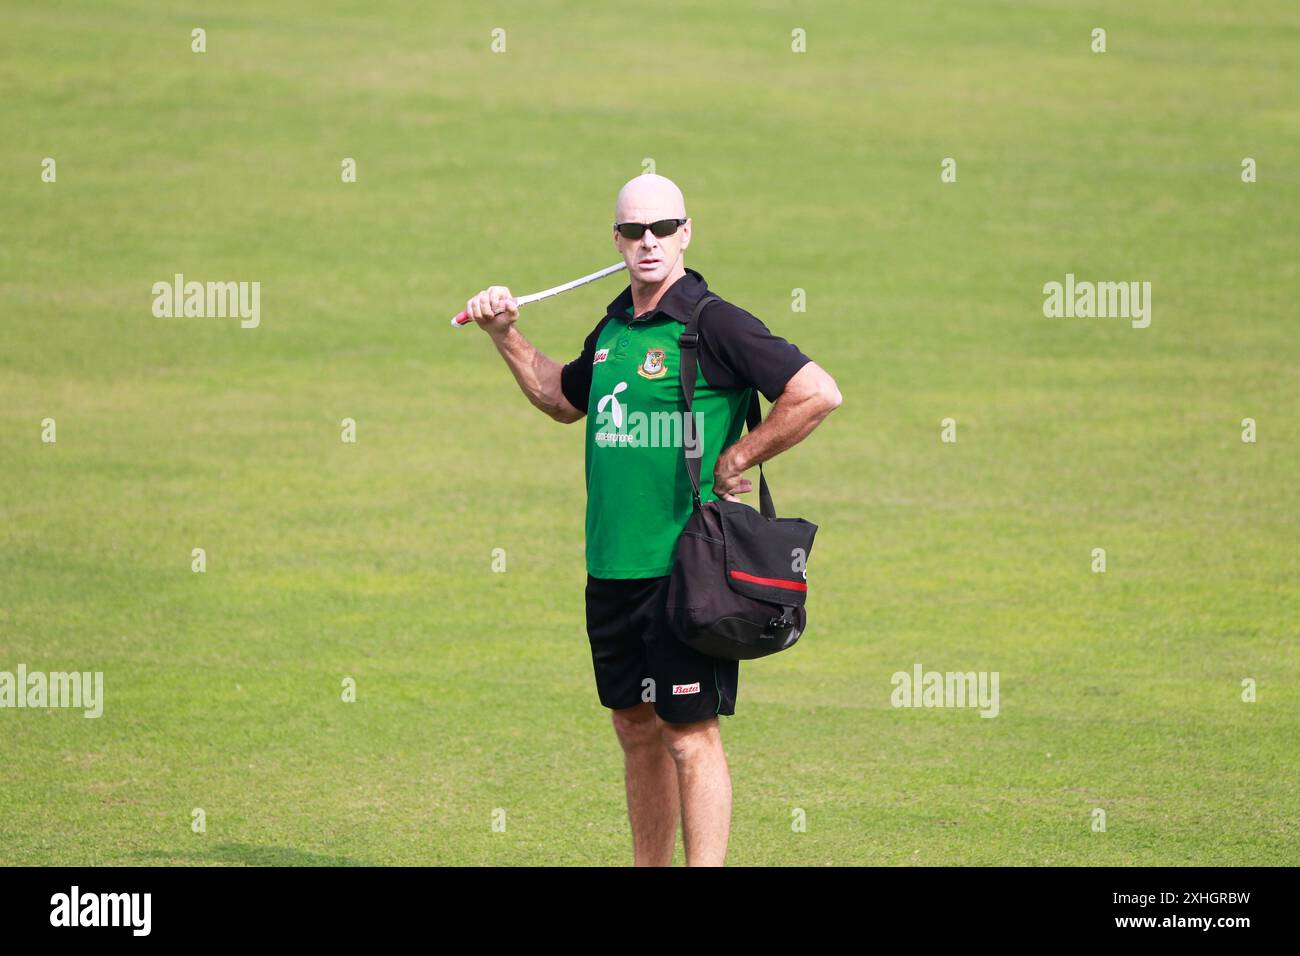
738	581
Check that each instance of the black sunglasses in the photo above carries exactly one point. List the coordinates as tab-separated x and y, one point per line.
635	230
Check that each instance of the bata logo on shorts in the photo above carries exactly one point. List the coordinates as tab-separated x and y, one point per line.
601	355
686	688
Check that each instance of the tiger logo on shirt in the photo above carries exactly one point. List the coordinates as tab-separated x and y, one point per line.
653	366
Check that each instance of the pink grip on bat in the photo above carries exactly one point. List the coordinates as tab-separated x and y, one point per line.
462	318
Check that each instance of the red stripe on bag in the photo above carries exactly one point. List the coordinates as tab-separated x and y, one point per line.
770	582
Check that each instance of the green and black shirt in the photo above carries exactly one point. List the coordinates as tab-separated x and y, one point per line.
627	380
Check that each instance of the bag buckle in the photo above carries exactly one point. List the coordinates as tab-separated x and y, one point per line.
688	340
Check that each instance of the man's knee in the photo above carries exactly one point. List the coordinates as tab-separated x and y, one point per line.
636	726
685	741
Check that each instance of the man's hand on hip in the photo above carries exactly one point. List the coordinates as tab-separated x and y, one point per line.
806	400
728	477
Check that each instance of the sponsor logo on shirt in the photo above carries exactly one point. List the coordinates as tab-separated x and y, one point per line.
686	688
601	355
619	427
612	403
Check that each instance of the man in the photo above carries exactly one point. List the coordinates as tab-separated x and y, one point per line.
665	697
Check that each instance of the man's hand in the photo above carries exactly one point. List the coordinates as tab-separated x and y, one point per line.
728	477
539	378
494	309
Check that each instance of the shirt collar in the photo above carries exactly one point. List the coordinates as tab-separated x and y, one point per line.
677	303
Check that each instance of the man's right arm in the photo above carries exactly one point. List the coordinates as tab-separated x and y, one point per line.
495	310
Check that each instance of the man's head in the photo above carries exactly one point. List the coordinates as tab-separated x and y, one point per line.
650	199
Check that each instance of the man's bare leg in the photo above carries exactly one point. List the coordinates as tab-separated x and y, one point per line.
705	785
652	791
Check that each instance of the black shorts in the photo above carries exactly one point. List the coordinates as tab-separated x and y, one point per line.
637	657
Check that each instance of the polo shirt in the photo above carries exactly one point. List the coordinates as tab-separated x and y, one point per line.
627	379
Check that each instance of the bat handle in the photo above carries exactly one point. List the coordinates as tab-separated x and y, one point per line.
462	318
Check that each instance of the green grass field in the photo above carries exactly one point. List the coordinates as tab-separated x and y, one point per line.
818	171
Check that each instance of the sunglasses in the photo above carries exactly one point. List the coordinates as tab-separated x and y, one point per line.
635	230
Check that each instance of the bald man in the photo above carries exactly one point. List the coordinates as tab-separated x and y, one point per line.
665	698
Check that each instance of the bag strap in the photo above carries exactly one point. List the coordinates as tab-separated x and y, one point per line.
689	344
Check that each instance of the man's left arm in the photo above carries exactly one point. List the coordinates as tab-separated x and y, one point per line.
738	351
808	397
